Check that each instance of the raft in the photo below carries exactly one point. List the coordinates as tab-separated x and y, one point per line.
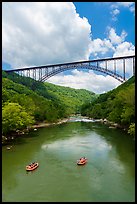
81	161
32	166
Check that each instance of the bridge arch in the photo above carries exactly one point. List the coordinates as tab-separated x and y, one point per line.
89	67
42	73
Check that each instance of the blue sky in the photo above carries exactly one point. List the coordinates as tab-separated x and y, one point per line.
99	15
41	33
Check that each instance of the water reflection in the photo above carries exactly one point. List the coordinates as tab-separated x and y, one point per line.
58	178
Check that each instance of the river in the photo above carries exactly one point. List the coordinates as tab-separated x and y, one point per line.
108	176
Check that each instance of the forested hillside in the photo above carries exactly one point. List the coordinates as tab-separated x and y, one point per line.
117	106
72	98
26	101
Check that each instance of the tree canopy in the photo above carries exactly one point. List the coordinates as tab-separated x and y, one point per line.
117	105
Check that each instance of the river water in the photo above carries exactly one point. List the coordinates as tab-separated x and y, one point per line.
108	176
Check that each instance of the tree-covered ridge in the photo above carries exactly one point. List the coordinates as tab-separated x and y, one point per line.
72	98
38	101
117	105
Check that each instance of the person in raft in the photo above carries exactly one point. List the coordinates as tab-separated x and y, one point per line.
82	159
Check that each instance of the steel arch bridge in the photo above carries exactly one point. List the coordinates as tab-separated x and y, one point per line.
108	66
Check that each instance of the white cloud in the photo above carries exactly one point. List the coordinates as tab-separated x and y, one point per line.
114	13
126	49
85	80
100	46
125	4
99	83
128	5
114	38
116	8
39	33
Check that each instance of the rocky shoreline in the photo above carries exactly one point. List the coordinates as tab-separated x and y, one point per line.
17	133
8	139
43	124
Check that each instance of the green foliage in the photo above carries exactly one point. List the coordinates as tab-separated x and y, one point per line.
116	110
43	101
128	115
117	105
72	98
14	117
131	129
127	97
25	101
48	102
115	115
96	112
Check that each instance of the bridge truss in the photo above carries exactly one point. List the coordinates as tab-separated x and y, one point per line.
115	67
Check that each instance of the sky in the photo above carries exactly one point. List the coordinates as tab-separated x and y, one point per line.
43	33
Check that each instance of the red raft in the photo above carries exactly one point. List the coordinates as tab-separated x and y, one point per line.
32	166
82	161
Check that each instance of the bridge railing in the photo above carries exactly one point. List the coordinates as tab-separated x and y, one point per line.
116	67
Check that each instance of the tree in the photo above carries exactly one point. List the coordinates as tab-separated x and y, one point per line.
25	101
131	129
14	117
128	114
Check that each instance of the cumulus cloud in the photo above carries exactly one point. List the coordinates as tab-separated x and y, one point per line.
85	80
39	33
42	33
126	49
121	48
96	82
100	46
112	44
114	38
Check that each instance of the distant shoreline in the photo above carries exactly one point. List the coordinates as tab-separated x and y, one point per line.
44	124
18	133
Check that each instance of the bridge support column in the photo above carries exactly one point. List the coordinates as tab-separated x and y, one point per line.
106	65
133	66
115	66
124	69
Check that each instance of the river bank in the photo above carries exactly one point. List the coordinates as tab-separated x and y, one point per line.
7	139
45	124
